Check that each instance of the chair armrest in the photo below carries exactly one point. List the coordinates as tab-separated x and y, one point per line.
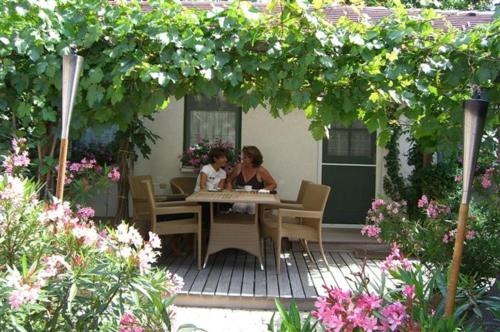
175	203
299	213
283	206
289	201
178	209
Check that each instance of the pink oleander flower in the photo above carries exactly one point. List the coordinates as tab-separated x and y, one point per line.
376	204
423	201
75	167
396	260
88	234
446	238
129	323
114	174
22	292
486	182
409	291
147	256
395	315
85	213
470	234
13	190
53	266
458	178
371	231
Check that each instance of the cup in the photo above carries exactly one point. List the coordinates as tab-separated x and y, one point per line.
248	188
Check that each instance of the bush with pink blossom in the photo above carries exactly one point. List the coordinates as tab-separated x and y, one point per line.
60	271
414	302
430	234
87	178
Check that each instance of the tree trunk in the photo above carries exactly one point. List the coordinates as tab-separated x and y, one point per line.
123	186
426	159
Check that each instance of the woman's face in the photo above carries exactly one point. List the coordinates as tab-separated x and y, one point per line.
246	160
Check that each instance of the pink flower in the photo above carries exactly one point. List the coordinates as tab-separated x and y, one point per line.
409	291
395	315
75	167
371	230
423	201
128	323
377	203
486	182
114	174
85	212
395	260
458	178
470	234
446	238
369	302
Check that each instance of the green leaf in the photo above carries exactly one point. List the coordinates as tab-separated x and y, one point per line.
95	75
95	93
72	293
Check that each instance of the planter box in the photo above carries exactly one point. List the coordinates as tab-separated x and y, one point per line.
187	169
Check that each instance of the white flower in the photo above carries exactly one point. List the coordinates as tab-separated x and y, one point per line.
122	234
125	252
88	234
134	237
154	240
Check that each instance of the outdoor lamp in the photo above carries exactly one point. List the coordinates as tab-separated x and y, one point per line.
72	67
474	119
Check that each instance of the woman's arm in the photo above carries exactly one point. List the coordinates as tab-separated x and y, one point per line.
203	180
269	182
234	173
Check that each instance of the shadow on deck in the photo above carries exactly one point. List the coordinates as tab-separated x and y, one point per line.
233	279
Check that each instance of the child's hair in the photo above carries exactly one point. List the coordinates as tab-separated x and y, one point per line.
216	153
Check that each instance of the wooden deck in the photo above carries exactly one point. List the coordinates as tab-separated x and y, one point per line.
233	279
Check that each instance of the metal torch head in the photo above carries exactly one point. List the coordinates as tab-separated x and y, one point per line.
72	67
474	118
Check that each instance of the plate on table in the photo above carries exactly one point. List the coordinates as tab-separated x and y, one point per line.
215	190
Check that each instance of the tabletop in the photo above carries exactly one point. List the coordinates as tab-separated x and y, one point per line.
233	197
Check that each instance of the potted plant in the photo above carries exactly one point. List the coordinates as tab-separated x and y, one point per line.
196	156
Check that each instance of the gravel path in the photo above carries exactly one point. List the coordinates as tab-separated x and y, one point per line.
223	320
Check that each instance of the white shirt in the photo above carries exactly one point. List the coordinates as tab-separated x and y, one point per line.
213	177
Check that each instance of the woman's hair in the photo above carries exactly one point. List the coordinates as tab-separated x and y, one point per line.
216	153
253	153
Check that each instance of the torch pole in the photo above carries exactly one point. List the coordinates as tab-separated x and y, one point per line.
474	119
61	175
72	67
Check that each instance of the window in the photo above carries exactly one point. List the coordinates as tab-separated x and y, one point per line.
211	118
352	144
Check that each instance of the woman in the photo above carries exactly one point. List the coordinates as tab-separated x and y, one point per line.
250	171
212	176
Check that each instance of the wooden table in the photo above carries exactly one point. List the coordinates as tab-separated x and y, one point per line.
238	231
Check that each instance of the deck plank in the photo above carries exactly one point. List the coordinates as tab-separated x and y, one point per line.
284	287
201	277
248	286
305	277
225	276
236	282
328	277
315	274
270	269
213	277
342	274
293	275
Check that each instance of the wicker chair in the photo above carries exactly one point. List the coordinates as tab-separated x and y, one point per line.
191	224
140	201
309	227
287	204
183	185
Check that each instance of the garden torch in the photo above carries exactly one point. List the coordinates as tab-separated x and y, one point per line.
72	67
474	119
